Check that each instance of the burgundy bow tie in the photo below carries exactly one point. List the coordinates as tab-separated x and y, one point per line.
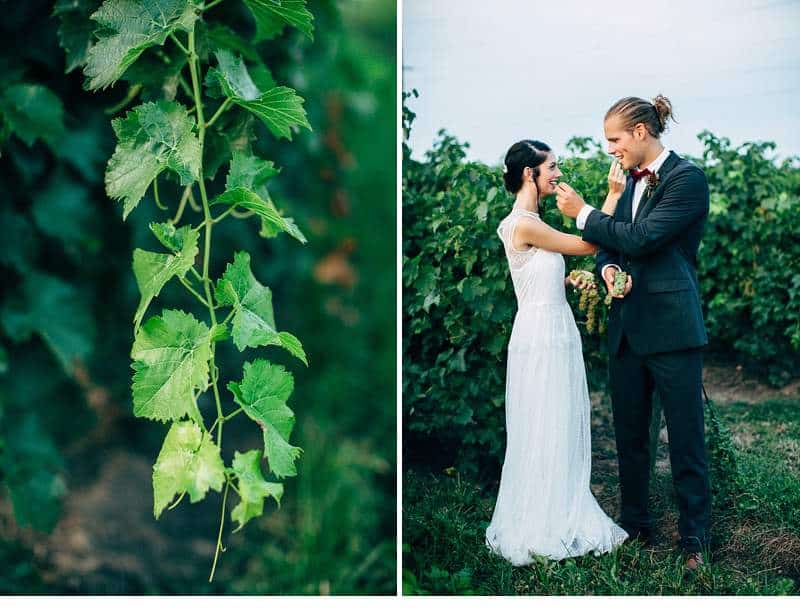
636	174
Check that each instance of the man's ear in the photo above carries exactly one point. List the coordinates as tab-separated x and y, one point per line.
640	130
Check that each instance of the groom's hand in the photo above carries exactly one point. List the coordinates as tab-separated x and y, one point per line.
608	276
568	201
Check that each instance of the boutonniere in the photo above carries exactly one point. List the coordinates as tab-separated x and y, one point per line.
652	183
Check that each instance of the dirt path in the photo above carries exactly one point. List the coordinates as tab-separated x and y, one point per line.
732	384
107	541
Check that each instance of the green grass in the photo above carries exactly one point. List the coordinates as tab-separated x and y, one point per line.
755	525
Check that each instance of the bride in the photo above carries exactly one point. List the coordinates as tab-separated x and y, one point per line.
545	505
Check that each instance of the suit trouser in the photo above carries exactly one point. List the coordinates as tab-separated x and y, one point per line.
677	377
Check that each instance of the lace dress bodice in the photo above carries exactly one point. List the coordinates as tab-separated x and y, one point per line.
538	275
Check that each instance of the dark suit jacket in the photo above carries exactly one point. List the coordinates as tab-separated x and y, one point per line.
662	313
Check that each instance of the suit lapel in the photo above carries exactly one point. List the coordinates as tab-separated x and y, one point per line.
625	210
663	175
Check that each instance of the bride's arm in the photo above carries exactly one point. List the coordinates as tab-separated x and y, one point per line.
539	234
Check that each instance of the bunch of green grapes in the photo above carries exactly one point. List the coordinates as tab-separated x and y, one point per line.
589	301
620	279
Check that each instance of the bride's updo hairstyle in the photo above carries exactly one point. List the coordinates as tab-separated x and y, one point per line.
633	110
525	153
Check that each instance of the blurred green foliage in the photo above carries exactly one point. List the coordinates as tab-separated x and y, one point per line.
64	352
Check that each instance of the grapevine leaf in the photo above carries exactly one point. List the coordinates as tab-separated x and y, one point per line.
273	15
153	270
262	394
252	487
265	209
33	112
253	318
234	78
171	355
216	37
128	28
220	144
75	30
151	138
54	310
189	462
292	344
249	172
157	74
279	108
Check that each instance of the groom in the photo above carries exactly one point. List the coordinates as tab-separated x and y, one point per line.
655	329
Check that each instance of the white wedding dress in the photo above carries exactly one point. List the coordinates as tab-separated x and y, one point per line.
545	505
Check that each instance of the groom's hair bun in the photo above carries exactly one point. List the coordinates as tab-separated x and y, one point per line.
522	154
633	110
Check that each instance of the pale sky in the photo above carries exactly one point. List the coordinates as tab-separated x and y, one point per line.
492	72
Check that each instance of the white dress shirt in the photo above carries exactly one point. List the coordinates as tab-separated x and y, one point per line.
638	191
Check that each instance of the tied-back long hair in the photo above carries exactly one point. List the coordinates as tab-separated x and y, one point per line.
654	115
522	154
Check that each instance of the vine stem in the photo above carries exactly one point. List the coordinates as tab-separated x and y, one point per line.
211	4
223	107
133	91
193	203
179	43
160	205
219	535
230	415
188	287
209	225
181	205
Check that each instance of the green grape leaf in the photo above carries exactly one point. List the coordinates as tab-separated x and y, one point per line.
253	489
233	77
279	108
151	138
249	172
292	344
216	37
33	112
273	15
189	462
220	143
153	270
265	209
75	30
54	310
262	394
157	74
128	28
253	318
171	355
